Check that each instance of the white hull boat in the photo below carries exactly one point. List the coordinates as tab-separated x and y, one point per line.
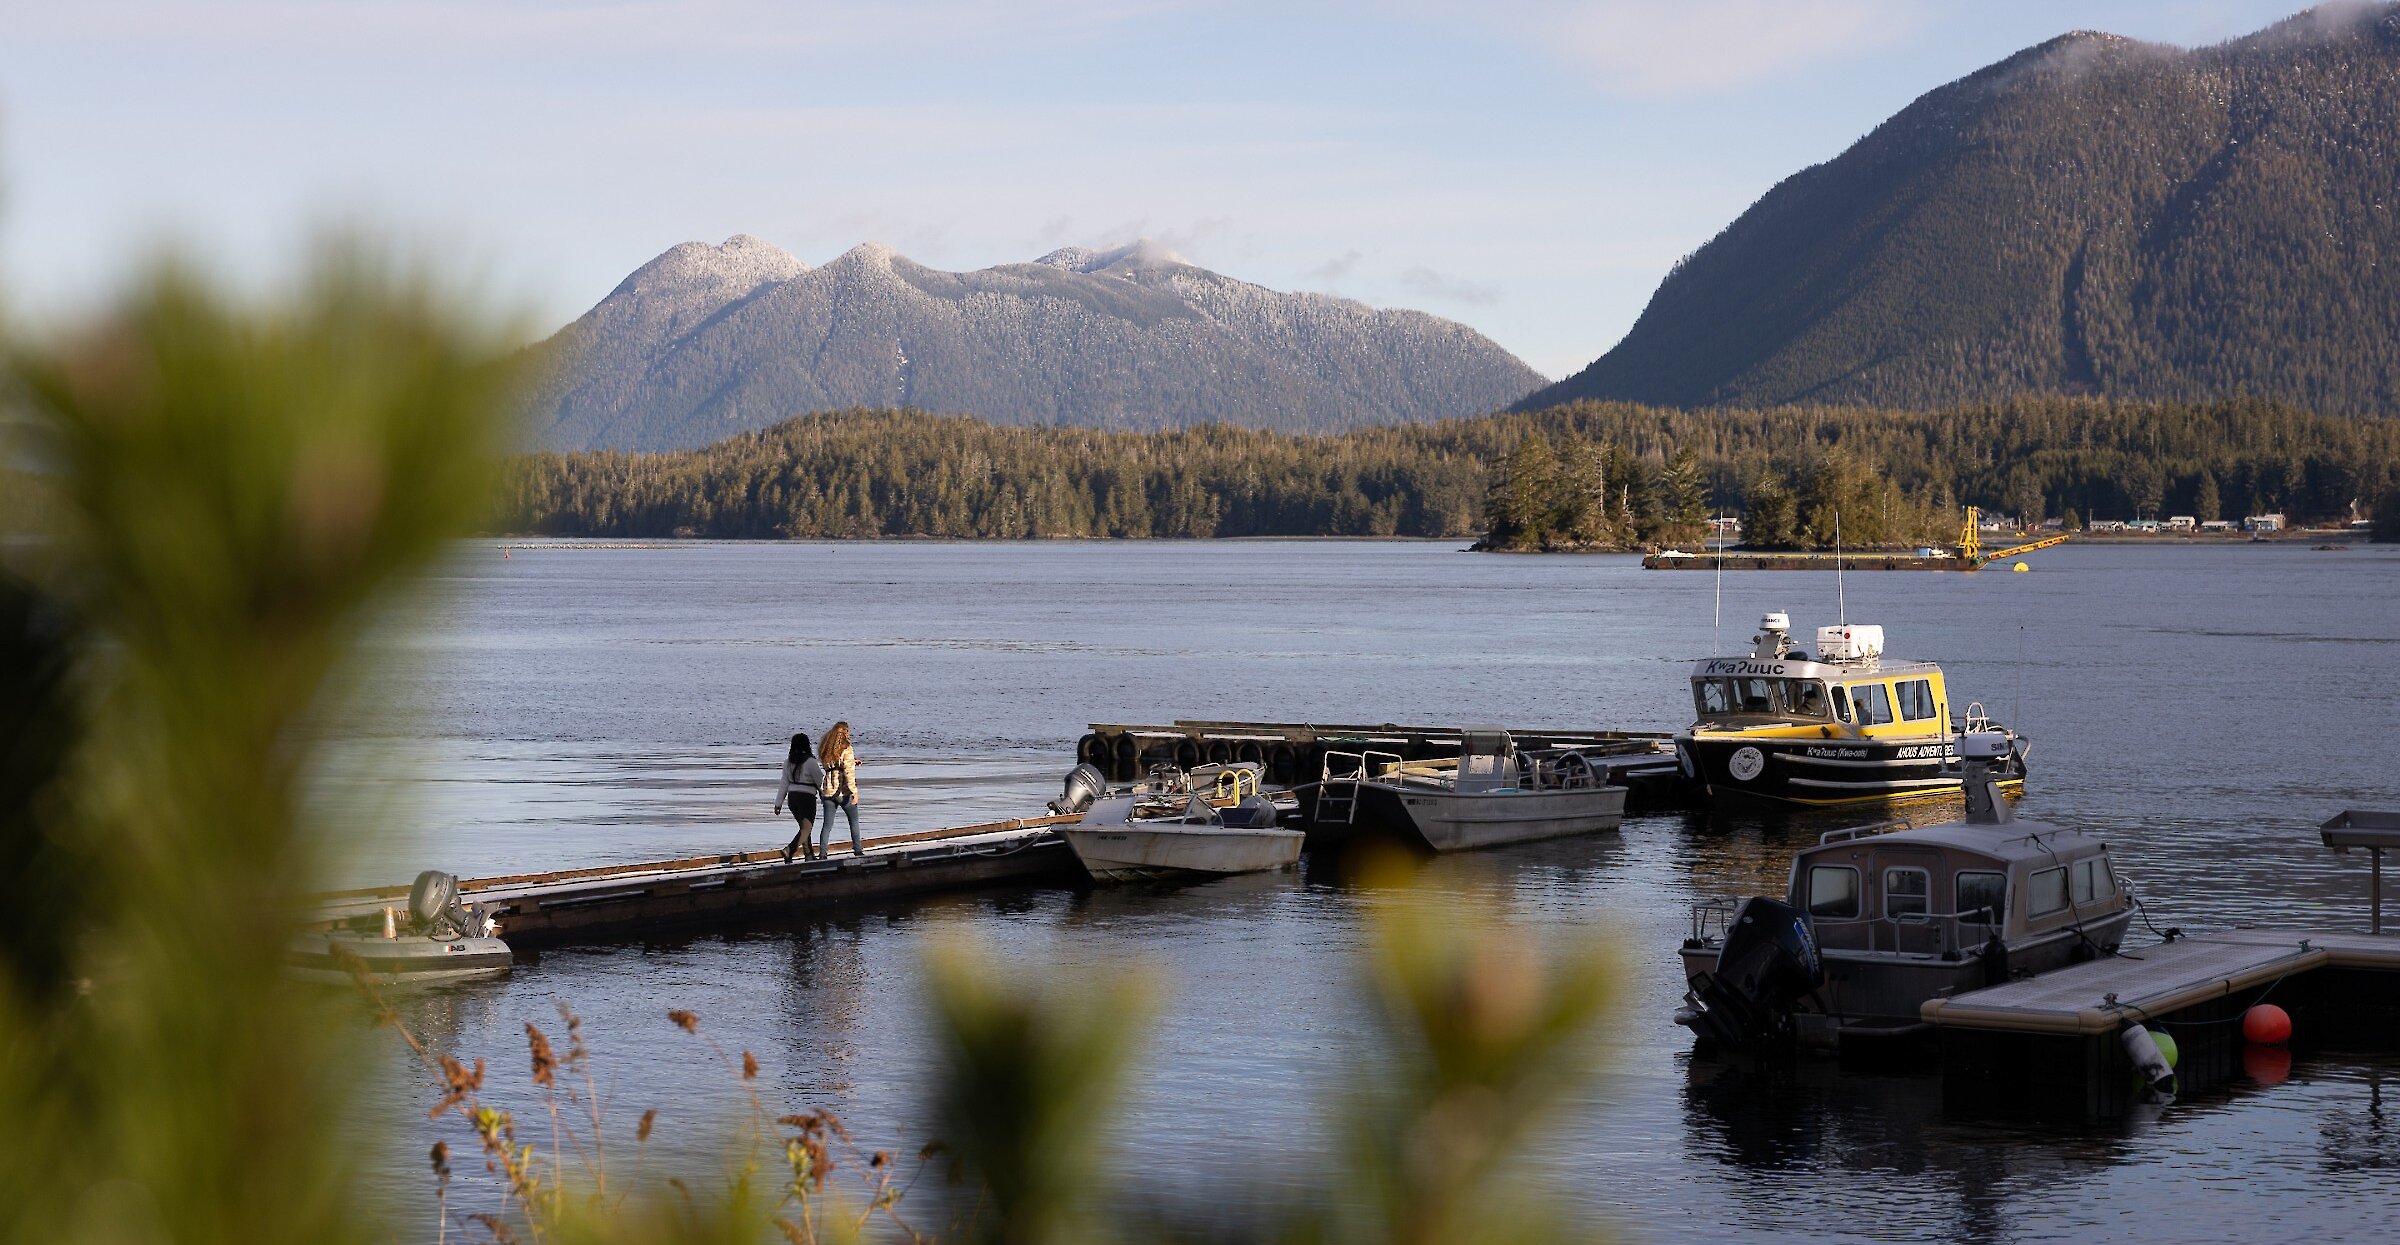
1491	796
406	959
1117	845
438	938
1454	821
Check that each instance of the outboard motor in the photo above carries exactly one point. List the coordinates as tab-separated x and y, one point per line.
1770	962
1982	756
434	909
1084	784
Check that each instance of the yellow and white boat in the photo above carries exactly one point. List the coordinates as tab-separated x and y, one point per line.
1847	727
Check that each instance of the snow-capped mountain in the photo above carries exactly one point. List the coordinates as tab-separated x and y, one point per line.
704	342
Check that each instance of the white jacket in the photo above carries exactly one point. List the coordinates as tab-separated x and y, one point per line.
806	778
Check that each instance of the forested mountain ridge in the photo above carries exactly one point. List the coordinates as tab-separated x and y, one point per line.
2091	216
1586	474
705	342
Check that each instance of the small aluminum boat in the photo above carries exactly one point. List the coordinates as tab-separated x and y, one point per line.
439	938
1123	837
1491	795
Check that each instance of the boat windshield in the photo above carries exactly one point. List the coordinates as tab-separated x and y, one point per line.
1762	697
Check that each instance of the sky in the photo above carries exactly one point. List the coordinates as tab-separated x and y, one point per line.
1529	167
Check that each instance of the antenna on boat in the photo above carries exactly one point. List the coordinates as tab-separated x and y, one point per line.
1720	640
1841	598
2016	712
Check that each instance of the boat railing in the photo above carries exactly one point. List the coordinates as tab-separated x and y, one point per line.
1711	917
1365	766
1234	785
1845	834
1557	769
1337	786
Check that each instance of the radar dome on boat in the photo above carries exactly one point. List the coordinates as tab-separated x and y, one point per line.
1775	622
1849	642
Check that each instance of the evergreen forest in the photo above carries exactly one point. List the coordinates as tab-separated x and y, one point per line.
1586	475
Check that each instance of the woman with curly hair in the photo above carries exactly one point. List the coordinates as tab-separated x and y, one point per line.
841	787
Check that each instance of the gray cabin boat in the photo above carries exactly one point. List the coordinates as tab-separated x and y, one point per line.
1875	924
1490	795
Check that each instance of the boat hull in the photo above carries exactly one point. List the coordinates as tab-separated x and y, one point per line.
1878	993
1451	821
1122	853
392	961
1830	772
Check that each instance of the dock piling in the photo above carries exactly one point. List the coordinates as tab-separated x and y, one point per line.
2374	831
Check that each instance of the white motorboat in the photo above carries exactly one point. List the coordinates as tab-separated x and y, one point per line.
1123	837
1491	795
438	939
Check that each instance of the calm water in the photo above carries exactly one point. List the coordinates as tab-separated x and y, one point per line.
2202	708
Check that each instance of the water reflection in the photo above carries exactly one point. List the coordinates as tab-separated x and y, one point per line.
609	706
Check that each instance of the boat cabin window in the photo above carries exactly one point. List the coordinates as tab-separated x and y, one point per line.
1805	698
1907	892
1832	891
1982	897
1874	704
2092	881
1712	697
1754	695
1841	703
1916	699
2046	892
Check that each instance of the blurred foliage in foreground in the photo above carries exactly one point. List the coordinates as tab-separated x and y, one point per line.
230	496
232	493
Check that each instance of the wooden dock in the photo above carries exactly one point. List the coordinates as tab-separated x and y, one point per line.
619	901
2158	982
2049	1043
1293	753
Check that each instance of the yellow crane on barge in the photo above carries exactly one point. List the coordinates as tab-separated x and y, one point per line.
1969	556
1970	544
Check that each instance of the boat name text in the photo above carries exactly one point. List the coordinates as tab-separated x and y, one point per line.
1739	666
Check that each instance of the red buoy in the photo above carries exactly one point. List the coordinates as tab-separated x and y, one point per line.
2267	1065
2266	1025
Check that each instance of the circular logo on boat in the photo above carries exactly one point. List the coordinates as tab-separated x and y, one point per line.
1745	763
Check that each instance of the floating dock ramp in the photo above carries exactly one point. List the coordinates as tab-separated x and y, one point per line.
619	901
2051	1040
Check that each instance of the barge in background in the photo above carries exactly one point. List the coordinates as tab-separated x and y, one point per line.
1969	556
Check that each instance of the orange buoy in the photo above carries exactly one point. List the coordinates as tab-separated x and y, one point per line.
2266	1025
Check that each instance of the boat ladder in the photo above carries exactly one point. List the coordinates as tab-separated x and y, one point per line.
1337	785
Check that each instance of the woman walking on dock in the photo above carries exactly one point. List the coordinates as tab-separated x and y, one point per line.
841	788
803	780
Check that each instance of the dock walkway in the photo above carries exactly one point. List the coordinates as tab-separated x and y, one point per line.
2150	984
2049	1044
615	901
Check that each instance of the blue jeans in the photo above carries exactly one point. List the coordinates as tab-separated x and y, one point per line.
849	807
